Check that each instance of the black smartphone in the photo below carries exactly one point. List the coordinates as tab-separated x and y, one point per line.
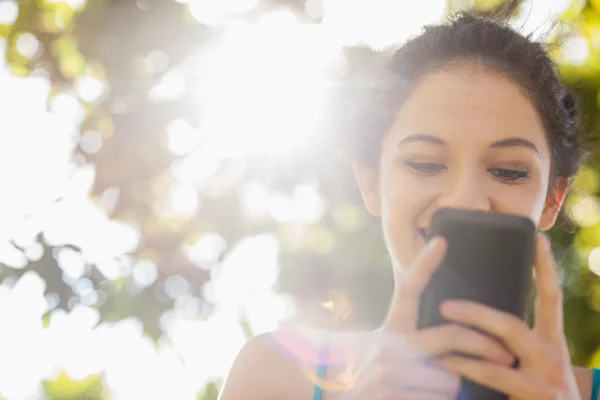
490	261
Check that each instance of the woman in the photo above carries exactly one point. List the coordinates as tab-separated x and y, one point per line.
470	115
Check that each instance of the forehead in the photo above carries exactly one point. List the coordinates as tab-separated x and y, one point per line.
470	104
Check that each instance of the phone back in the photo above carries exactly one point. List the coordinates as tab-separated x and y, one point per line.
489	260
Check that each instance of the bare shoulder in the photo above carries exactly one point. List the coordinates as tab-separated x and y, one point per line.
281	364
584	377
248	376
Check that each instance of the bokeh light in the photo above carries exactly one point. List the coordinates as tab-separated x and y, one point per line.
9	11
142	243
594	261
584	210
27	45
575	50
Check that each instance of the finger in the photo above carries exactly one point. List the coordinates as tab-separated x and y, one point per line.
395	394
513	382
403	312
392	379
450	338
506	327
422	378
548	305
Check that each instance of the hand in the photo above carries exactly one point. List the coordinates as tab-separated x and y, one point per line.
545	370
399	364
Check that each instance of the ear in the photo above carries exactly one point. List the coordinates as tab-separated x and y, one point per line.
368	182
554	203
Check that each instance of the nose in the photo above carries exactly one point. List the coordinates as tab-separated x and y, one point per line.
465	192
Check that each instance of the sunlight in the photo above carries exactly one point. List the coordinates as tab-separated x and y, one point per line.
9	12
89	88
586	181
76	4
75	343
594	261
28	45
210	12
91	142
206	250
314	8
537	18
156	61
208	346
248	269
34	251
197	166
12	257
171	86
3	47
172	376
265	86
131	361
261	90
67	106
267	310
309	205
144	273
255	198
182	137
584	210
25	120
176	286
77	220
182	200
21	309
575	50
303	205
206	12
378	24
71	262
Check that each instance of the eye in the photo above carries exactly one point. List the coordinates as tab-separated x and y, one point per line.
509	175
425	168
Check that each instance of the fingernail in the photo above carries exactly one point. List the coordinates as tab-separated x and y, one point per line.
433	241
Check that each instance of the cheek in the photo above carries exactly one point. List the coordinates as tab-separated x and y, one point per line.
404	200
527	199
407	198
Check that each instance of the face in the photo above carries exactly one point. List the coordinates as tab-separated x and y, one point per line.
468	139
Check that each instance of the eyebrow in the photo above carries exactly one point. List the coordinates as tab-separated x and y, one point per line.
420	137
500	144
515	142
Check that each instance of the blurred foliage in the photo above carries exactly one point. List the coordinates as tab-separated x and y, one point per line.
346	261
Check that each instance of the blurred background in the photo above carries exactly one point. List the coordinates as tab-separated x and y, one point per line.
174	182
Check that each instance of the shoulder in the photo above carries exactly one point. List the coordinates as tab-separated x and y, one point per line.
585	382
280	364
270	366
248	376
